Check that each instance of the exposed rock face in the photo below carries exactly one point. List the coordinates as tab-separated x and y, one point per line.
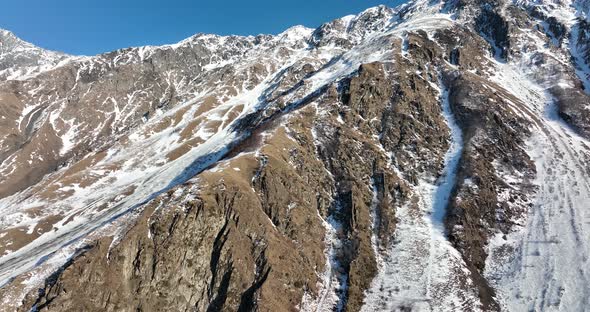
401	159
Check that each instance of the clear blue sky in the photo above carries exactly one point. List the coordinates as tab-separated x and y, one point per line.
94	26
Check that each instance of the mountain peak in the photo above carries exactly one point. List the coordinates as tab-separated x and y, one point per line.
9	40
20	59
5	33
296	33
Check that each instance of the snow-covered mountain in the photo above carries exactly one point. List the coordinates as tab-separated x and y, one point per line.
429	157
20	59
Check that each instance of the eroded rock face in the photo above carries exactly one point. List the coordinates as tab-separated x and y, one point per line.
380	162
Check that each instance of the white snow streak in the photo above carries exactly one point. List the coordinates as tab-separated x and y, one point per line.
421	269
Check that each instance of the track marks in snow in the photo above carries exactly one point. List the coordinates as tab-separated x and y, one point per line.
544	266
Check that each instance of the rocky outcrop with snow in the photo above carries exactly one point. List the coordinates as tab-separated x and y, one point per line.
430	157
